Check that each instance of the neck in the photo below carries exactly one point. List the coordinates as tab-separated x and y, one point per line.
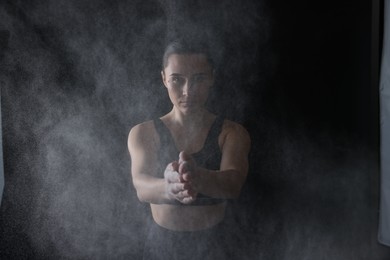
192	119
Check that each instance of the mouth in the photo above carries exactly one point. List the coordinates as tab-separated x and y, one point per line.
187	103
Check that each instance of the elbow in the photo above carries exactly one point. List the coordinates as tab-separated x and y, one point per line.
140	194
236	188
231	192
235	193
142	197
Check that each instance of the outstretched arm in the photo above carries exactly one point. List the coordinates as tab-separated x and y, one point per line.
228	181
150	188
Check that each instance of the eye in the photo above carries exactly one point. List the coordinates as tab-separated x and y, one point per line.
198	79
176	80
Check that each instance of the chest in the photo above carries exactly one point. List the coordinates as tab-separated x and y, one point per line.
190	140
204	144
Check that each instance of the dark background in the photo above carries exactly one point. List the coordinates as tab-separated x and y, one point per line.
299	75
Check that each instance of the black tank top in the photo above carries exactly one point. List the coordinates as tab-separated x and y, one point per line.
209	157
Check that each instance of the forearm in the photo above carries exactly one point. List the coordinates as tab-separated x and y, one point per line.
220	184
150	189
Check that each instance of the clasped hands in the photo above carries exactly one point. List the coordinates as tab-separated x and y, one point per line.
181	179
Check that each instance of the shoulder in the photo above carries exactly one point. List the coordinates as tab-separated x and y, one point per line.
142	133
145	126
234	132
142	129
230	127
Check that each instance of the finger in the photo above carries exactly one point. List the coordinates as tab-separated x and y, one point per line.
176	188
183	156
184	194
191	191
188	200
169	167
187	177
172	176
180	196
175	191
174	166
187	186
188	190
184	167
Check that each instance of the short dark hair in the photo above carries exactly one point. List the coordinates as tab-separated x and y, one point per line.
183	47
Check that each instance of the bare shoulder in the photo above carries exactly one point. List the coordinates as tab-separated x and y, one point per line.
147	126
233	128
142	134
234	132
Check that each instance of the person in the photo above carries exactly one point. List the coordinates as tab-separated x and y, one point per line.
189	162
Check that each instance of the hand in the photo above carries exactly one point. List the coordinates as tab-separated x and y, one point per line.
176	187
188	171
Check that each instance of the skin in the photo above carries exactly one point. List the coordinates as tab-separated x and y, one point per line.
188	79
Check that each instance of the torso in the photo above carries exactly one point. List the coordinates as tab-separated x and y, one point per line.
178	218
195	217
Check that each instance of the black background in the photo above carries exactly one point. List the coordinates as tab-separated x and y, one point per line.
297	74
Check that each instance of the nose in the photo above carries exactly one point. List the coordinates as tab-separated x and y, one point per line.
187	88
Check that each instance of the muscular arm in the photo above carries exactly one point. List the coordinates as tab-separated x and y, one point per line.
142	148
228	181
143	166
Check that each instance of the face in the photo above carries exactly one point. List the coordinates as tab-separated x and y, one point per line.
188	78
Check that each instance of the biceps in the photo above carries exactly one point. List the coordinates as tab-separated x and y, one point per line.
235	154
142	162
234	161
